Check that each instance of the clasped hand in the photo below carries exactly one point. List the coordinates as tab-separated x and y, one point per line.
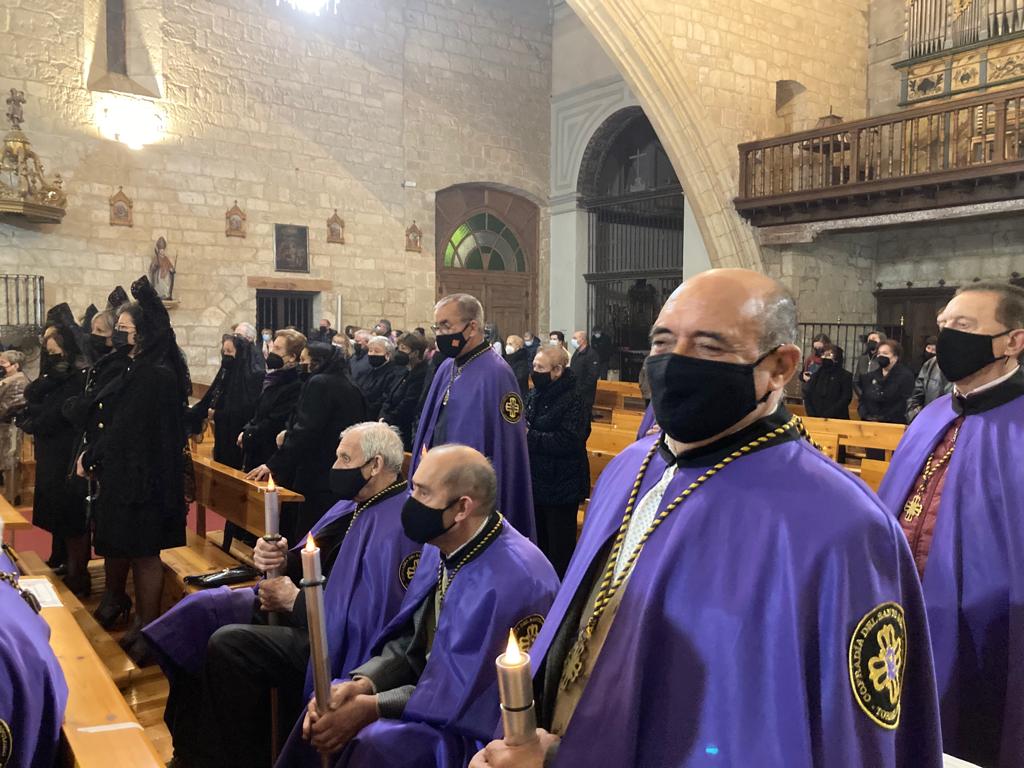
352	707
498	754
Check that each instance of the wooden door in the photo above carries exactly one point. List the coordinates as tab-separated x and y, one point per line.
508	299
909	315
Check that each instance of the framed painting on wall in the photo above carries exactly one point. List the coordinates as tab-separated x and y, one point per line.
291	248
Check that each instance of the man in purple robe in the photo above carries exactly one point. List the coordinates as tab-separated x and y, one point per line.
428	694
474	400
736	598
216	647
955	484
33	693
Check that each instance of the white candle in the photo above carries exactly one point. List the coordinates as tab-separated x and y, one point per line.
271	510
515	691
311	572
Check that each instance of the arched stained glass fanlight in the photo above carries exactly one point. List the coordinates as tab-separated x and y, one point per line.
484	242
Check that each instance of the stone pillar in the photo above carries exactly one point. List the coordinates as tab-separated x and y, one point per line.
569	251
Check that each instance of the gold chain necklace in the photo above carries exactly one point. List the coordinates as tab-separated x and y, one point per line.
457	371
28	597
915	504
609	584
371	501
442	590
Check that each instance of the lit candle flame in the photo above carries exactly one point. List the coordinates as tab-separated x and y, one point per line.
423	452
310	544
512	653
270	484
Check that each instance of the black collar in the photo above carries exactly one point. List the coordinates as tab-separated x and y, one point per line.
399	486
470	551
465	357
711	454
988	399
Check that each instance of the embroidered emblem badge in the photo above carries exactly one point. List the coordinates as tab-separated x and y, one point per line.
527	630
408	569
512	408
878	657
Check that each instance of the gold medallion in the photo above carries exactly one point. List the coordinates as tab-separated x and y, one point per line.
913	508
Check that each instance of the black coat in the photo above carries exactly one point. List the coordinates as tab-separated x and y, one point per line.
232	396
59	502
828	393
884	398
557	422
328	403
929	385
520	363
377	386
586	366
402	406
137	459
273	408
359	366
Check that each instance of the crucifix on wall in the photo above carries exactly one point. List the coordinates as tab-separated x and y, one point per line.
638	184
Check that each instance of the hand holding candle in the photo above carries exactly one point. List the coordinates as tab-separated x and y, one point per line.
271	510
515	690
313	584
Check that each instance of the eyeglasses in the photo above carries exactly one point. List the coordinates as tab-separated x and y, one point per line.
446	327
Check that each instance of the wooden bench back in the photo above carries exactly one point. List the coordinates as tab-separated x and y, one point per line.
827	443
859	434
627	419
609	438
872	472
226	491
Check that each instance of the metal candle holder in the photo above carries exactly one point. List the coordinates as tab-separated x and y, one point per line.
515	691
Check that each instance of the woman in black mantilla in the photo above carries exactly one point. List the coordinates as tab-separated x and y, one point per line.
138	462
231	399
58	505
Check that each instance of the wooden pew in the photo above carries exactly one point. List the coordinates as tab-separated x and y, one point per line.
121	669
226	491
598	461
859	434
872	472
100	730
624	395
827	443
198	556
624	419
609	438
12	520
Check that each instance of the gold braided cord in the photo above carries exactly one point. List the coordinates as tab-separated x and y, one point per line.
371	501
457	371
609	584
495	530
24	594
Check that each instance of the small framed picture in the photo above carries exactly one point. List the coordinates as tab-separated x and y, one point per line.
291	248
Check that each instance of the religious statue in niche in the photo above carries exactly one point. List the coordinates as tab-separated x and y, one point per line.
336	229
162	271
291	248
24	188
121	209
234	222
414	239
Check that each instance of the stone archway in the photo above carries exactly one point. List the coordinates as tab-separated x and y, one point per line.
706	165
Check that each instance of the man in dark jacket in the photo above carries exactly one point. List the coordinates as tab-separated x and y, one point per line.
866	363
518	358
930	384
585	366
328	404
324	333
359	366
602	344
828	392
402	406
557	424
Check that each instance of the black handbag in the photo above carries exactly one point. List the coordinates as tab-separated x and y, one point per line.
228	576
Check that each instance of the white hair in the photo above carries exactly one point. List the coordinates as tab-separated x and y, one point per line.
470	308
379	439
248	330
381	341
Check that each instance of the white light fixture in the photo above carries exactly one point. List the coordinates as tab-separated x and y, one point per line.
311	6
130	120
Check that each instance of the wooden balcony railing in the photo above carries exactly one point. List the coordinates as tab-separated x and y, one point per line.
817	174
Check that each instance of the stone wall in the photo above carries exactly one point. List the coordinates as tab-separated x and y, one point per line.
293	116
886	45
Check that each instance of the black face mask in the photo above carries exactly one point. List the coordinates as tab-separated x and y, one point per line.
274	361
452	344
884	361
696	399
541	381
304	369
376	361
227	361
422	523
347	483
961	354
929	355
400	359
818	350
359	352
871	347
120	339
827	362
98	345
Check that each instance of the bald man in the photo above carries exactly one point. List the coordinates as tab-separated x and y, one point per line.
428	694
736	598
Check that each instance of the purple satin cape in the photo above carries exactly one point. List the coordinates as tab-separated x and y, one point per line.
181	635
646	423
473	417
454	709
974	578
365	591
33	692
732	640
